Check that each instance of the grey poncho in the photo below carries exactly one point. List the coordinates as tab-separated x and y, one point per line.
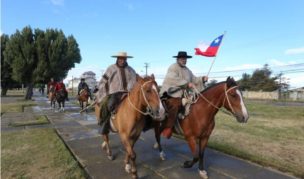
116	79
178	77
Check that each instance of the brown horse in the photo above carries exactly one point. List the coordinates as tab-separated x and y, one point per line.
60	98
198	125
143	100
52	96
83	97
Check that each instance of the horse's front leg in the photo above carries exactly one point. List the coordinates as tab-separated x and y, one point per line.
130	156
157	132
63	104
202	145
106	146
192	145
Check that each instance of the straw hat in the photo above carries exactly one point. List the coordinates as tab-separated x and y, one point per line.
122	54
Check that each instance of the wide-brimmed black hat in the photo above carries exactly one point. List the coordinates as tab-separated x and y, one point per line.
182	54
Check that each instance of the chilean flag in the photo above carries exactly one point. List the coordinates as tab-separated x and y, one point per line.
209	50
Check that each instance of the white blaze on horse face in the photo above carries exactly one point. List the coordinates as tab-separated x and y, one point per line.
161	107
244	109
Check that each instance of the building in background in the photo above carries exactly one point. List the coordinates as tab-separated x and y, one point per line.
90	79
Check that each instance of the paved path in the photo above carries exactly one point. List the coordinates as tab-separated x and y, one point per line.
80	134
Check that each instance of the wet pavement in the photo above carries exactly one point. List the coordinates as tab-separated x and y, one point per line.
80	134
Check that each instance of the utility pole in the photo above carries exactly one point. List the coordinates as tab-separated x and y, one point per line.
280	85
72	86
146	66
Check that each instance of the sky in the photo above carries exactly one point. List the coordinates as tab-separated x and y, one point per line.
257	32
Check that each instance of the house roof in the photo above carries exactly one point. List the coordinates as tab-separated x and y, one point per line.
88	73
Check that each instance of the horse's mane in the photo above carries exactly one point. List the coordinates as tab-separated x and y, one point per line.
230	83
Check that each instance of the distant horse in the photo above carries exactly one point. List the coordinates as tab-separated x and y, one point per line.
60	97
83	97
197	126
52	96
143	100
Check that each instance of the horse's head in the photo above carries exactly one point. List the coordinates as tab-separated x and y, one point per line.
151	99
234	101
52	88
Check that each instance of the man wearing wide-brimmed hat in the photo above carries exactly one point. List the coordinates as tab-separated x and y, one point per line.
117	80
178	78
83	85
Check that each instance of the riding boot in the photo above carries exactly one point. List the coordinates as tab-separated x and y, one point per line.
173	105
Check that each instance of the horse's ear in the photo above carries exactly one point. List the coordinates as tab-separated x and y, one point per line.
230	82
152	76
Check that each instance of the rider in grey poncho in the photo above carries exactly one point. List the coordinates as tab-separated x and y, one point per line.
118	79
178	78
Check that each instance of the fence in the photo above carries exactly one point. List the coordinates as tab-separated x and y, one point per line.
275	95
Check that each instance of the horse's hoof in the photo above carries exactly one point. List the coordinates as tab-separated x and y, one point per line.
187	164
162	155
203	174
134	176
128	168
110	157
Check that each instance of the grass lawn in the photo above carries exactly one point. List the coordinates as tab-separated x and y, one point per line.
16	106
273	136
36	153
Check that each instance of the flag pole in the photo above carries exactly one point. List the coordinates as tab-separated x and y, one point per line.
211	66
215	56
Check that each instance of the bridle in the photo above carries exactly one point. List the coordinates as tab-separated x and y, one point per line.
149	108
226	97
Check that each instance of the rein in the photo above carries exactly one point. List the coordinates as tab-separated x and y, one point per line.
219	108
149	108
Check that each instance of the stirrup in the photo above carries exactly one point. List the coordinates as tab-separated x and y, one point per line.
181	116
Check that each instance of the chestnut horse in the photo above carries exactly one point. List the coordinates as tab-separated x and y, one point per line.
60	97
199	123
83	97
52	96
143	100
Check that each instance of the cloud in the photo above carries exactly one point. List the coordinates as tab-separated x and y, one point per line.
294	51
275	62
295	80
57	2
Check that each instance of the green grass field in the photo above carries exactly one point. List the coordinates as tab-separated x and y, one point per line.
33	153
36	153
273	136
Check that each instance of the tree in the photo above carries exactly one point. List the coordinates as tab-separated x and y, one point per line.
260	80
6	69
244	83
37	56
212	82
